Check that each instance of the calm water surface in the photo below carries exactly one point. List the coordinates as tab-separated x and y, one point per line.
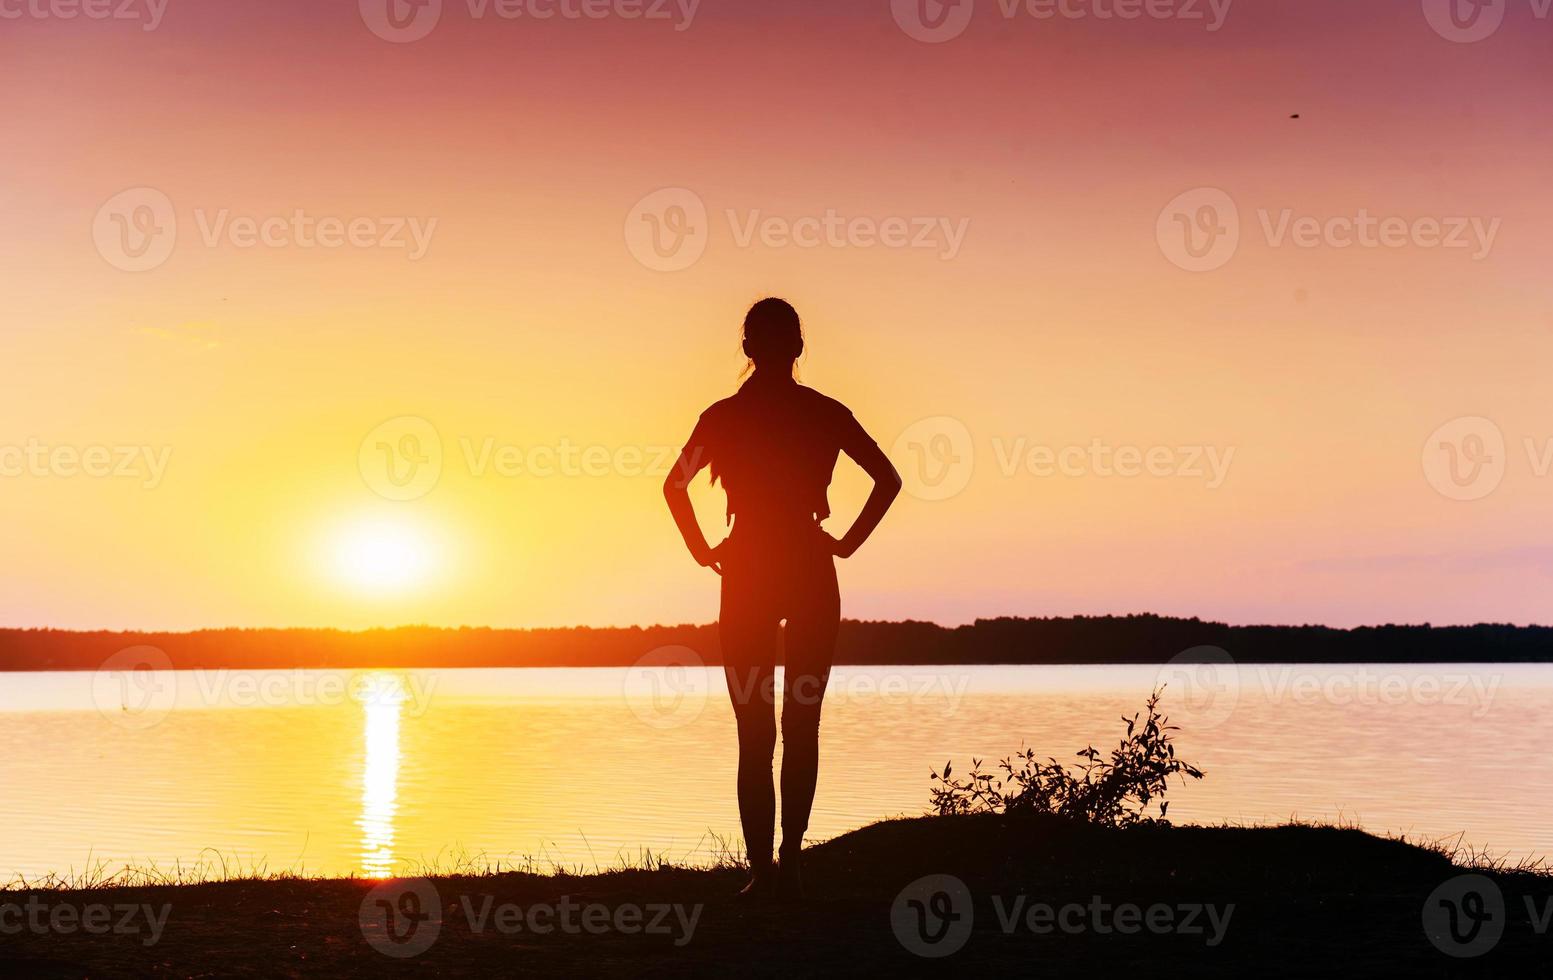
381	772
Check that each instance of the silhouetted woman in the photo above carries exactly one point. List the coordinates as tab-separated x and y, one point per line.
773	445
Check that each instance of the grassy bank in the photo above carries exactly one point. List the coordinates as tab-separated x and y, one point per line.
1042	896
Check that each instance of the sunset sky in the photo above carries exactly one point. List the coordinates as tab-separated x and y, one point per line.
985	234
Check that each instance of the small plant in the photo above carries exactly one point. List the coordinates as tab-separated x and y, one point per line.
1114	792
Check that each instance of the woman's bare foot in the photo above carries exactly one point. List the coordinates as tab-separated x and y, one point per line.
790	873
761	886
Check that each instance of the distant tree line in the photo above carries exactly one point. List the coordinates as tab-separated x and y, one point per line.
1140	639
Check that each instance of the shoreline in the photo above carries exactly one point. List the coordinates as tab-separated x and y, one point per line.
1012	890
1070	641
1241	664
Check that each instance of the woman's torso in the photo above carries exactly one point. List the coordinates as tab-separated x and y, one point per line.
773	446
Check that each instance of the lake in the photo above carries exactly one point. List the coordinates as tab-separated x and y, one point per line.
384	772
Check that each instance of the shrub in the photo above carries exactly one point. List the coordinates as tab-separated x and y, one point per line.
1114	792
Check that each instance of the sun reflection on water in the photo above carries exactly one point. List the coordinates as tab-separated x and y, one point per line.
382	696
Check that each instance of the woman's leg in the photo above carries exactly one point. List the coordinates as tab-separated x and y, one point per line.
749	640
810	647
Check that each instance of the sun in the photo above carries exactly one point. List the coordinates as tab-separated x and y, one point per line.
383	555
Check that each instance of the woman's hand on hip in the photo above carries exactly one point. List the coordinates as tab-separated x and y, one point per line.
712	558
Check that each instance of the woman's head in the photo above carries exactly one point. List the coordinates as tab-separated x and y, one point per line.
773	335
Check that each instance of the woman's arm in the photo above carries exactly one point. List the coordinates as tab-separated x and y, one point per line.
887	485
675	491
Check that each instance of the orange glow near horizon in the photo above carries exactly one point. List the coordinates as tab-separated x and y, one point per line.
462	417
